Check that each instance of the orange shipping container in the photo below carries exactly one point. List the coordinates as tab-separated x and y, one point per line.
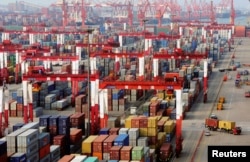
66	158
98	155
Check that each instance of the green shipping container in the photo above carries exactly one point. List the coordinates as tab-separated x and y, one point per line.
137	153
91	159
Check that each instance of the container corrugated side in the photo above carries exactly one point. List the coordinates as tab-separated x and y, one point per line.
17	157
29	150
27	137
12	140
33	157
87	144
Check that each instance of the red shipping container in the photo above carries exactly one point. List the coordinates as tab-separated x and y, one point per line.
98	143
125	152
19	113
152	140
77	119
108	143
160	125
115	152
19	107
66	158
13	113
45	150
114	131
213	123
154	107
161	112
143	122
135	122
59	140
3	157
53	130
75	136
78	108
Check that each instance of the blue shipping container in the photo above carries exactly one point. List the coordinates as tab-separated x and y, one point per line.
18	157
17	126
44	120
104	131
19	99
44	139
122	140
3	147
14	95
64	121
53	120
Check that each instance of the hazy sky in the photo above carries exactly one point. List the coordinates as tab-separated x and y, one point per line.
237	3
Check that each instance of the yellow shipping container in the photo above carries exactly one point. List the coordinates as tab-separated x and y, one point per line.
159	118
152	131
228	125
161	95
154	99
169	126
87	144
164	118
143	132
152	146
161	137
128	121
152	121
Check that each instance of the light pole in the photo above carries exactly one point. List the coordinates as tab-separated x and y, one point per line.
89	31
144	32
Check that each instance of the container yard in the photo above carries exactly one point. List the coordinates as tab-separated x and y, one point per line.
76	86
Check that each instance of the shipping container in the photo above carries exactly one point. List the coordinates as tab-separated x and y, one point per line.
75	135
98	143
137	153
166	152
18	157
3	147
12	140
44	139
27	138
125	152
32	125
91	159
30	149
87	144
115	152
226	125
108	143
122	140
79	158
54	152
67	158
44	151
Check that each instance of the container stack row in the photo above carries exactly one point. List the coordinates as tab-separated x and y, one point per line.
108	147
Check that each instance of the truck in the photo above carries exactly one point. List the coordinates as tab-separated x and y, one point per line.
222	125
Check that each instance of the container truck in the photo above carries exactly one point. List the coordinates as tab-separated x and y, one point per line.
222	125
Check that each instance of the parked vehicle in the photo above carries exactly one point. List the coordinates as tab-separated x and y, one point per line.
222	125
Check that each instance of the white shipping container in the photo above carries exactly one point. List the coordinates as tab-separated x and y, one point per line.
54	152
29	150
33	125
62	103
12	137
123	130
133	133
80	158
106	156
142	141
133	110
27	138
